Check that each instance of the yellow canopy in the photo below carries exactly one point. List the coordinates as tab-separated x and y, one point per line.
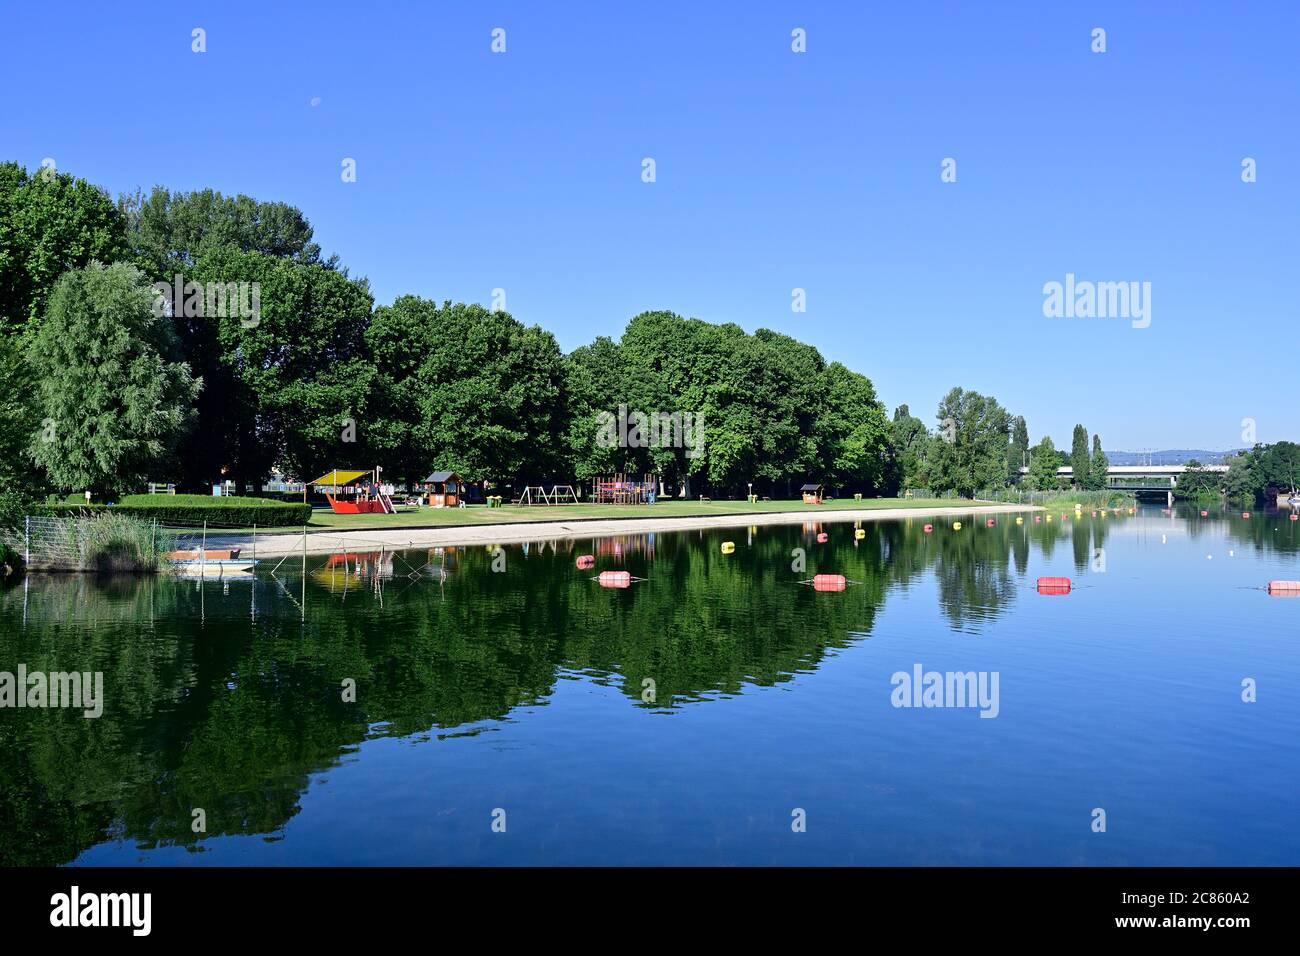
337	477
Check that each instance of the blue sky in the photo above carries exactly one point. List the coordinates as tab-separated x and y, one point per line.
775	170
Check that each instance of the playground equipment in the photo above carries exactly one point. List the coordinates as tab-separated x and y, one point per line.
620	490
539	495
355	492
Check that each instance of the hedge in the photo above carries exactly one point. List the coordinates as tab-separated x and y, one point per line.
228	512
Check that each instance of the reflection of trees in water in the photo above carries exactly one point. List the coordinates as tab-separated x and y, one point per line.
206	708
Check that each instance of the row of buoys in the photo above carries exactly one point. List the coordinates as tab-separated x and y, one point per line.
1047	585
1284	588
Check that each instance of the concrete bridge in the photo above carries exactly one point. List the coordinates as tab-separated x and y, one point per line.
1141	478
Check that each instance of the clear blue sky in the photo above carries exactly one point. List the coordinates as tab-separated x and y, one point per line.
775	170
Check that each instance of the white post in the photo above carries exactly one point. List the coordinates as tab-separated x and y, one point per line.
27	542
203	552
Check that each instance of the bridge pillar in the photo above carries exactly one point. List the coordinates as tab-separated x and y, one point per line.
1170	497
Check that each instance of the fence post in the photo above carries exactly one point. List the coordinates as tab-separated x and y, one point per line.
203	552
254	546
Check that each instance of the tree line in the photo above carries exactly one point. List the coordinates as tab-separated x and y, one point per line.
102	389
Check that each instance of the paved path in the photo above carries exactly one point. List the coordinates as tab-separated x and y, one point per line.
372	539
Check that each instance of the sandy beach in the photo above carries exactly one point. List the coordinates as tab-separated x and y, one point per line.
328	542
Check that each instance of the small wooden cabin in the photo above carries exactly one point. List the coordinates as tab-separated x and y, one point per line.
444	489
813	494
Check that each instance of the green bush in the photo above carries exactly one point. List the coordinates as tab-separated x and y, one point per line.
228	512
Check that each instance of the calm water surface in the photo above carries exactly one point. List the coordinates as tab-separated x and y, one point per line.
523	691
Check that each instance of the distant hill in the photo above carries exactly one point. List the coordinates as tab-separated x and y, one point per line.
1171	456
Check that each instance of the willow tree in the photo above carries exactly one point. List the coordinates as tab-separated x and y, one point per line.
113	398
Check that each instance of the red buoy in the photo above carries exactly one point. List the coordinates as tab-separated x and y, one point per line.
1205	514
823	538
1245	514
615	579
928	528
1038	519
1284	588
1295	517
586	561
989	523
829	582
1053	585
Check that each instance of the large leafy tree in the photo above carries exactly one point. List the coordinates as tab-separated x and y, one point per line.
488	393
1044	461
113	396
398	338
854	433
284	385
910	444
1278	465
49	223
170	232
971	450
593	386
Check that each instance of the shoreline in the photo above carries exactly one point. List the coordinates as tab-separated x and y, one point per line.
281	544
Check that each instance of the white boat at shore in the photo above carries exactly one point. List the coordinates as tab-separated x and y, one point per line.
213	569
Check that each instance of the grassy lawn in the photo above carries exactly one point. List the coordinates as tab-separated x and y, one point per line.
511	514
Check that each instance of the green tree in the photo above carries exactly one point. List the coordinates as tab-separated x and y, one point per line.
910	445
970	452
113	397
170	232
1278	466
489	396
854	434
1017	448
1196	482
593	386
1080	462
1044	461
1240	482
1100	466
49	224
282	387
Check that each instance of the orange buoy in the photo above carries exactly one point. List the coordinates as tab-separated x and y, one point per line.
586	561
1053	585
1287	588
928	528
615	579
829	582
823	537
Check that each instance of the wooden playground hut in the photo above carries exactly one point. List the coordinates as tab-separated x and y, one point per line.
444	489
353	493
813	493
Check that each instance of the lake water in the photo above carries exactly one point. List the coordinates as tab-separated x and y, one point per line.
520	698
